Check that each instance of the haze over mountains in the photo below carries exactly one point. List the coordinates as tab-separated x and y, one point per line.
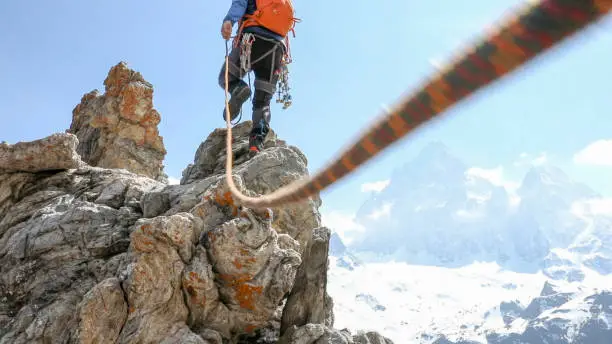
467	258
438	211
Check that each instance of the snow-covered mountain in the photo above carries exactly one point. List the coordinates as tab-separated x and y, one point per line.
581	316
448	256
481	303
343	257
436	211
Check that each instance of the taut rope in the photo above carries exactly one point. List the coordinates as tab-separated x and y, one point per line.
526	33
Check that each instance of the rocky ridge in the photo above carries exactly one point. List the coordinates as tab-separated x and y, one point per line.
96	247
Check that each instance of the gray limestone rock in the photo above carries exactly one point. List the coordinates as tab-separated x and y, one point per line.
308	301
110	253
55	152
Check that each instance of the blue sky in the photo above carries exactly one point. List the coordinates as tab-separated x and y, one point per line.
348	62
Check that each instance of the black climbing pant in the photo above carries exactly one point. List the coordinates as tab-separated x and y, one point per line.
266	55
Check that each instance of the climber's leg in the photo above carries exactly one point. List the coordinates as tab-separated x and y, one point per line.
261	126
239	91
266	57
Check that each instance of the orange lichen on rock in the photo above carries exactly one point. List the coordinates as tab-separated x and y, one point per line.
199	211
237	263
151	119
142	244
136	101
118	76
189	284
191	291
268	214
245	292
140	239
211	236
146	228
226	200
244	261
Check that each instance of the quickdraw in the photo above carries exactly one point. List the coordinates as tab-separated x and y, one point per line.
283	95
246	43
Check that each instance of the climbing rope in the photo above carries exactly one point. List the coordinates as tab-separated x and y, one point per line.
526	33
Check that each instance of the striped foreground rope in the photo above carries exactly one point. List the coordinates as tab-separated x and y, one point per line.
528	32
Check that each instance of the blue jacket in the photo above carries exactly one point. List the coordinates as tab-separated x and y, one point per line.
241	7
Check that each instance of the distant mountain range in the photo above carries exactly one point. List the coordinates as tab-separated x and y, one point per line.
435	212
436	219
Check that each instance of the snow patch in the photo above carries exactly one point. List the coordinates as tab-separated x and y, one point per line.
423	299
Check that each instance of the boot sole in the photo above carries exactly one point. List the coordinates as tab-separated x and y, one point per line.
236	102
252	153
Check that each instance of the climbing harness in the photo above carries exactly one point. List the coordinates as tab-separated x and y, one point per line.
525	34
245	45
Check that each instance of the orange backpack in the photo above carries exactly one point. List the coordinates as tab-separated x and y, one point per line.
274	15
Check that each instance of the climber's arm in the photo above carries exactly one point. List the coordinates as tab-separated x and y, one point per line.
236	11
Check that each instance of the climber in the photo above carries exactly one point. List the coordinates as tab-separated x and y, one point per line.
260	45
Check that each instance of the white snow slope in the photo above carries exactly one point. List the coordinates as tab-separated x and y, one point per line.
461	303
441	216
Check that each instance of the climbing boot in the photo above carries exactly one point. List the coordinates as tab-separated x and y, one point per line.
261	118
239	94
256	143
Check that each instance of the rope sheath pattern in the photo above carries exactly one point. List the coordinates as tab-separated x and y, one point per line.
523	35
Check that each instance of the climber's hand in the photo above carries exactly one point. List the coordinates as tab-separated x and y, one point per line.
226	29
